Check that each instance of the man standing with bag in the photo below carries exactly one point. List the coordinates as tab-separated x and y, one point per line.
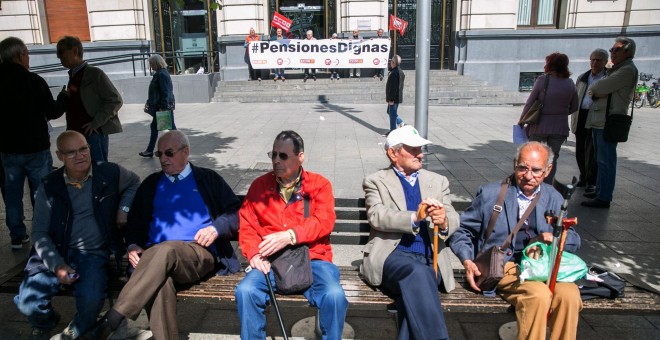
272	218
531	299
611	96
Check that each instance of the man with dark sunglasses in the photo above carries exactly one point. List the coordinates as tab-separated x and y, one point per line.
178	232
79	213
273	217
616	91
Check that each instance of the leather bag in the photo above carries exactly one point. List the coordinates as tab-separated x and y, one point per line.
533	114
617	126
292	266
490	261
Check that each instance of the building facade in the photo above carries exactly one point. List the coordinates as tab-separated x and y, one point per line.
503	42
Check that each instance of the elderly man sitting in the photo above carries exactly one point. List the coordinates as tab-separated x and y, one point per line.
398	256
532	299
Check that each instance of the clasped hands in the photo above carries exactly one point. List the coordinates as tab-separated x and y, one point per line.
435	210
204	237
271	244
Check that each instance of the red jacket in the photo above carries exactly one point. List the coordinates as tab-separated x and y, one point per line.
264	212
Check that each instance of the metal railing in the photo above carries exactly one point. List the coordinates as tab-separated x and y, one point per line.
173	58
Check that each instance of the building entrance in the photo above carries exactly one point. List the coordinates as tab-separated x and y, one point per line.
315	15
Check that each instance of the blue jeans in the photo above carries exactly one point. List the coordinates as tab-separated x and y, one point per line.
279	72
154	131
17	167
36	292
326	294
98	146
394	118
606	161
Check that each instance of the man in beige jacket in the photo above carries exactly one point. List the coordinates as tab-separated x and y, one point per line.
398	256
615	90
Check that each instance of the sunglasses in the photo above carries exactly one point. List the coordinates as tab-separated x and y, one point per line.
167	153
72	154
283	156
615	49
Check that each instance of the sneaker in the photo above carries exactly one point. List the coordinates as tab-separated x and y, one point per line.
357	75
146	154
259	79
18	243
401	125
337	75
375	75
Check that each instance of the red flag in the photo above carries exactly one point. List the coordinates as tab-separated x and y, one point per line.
398	24
281	21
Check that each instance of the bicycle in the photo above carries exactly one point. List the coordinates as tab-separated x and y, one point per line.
653	96
641	90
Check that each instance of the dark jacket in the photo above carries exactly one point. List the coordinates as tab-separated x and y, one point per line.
109	190
27	105
220	201
161	92
394	86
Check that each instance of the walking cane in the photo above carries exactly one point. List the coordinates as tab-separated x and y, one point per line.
436	235
277	308
560	224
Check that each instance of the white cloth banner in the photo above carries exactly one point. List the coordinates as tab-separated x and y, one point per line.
327	53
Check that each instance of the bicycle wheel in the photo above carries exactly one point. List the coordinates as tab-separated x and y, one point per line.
639	101
653	98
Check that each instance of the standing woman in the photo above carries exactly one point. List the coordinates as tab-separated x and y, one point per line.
253	74
161	98
560	101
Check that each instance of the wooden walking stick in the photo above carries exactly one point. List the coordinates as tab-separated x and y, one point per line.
421	212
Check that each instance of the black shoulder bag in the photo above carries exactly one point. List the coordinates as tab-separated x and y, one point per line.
617	126
292	266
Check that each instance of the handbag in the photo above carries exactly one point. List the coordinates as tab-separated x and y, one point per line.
601	283
617	126
490	261
533	114
164	120
292	266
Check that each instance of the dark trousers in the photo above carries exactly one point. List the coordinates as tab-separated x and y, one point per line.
584	151
152	284
410	277
307	71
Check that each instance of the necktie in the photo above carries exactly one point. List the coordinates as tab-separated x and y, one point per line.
176	178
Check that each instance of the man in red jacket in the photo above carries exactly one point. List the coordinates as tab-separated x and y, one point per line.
273	217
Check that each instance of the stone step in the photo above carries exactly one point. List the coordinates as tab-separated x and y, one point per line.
366	99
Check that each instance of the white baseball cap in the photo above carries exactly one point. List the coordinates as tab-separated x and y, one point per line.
407	135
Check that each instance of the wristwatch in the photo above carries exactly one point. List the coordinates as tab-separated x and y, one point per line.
125	209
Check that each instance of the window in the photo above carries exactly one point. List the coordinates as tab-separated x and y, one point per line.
533	13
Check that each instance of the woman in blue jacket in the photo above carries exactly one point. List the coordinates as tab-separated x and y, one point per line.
161	98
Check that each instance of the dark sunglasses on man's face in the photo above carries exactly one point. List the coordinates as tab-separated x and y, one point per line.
167	153
274	154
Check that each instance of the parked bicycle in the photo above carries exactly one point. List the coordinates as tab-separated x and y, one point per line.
641	90
653	96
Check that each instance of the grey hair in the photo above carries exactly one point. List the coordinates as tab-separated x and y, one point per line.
397	60
179	136
536	145
309	32
628	45
601	52
157	62
11	49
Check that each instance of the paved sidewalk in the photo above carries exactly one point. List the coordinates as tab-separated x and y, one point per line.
472	146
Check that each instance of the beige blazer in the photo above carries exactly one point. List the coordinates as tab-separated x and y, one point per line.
389	220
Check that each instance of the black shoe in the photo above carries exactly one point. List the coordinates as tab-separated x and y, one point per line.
590	194
305	79
101	330
596	203
19	242
314	78
146	154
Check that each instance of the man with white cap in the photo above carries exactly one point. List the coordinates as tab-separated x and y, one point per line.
398	256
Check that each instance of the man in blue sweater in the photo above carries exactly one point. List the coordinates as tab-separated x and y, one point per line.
77	212
178	233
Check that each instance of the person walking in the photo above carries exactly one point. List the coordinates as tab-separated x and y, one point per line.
560	100
161	98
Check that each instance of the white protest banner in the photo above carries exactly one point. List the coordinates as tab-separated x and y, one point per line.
327	53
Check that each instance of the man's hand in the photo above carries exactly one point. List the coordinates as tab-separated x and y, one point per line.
62	272
274	242
122	218
87	129
205	237
391	102
134	253
436	211
471	271
260	263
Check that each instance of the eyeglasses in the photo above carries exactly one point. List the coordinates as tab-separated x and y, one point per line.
72	154
615	49
536	172
283	156
168	153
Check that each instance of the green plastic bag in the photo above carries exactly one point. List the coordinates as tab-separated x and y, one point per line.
571	268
